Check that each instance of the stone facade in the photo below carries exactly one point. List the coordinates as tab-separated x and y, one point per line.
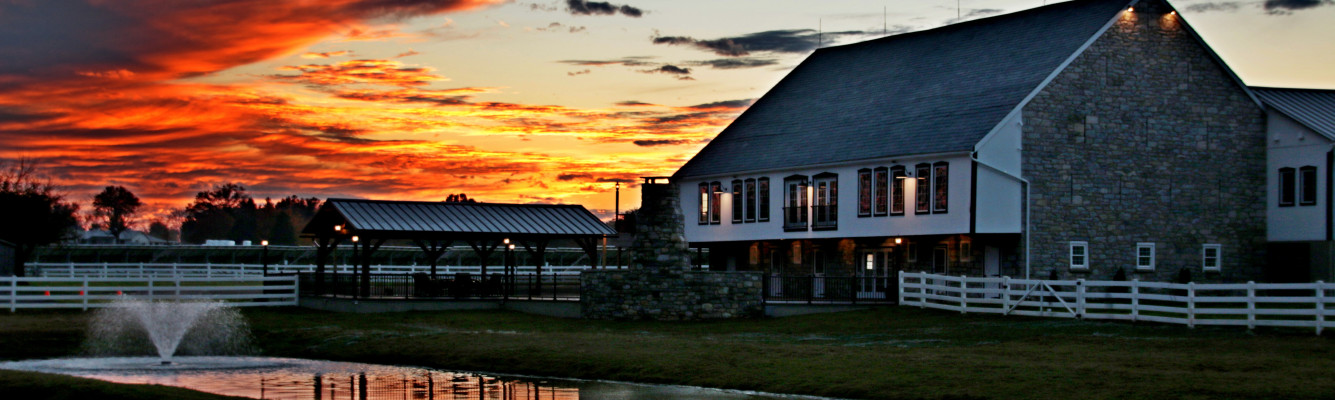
659	283
1145	137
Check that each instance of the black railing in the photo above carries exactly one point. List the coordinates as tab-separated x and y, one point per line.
831	289
794	218
826	217
457	286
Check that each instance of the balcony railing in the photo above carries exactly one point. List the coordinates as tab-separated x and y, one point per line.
794	218
826	217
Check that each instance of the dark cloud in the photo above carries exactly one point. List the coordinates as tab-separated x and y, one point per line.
375	72
633	103
727	104
580	72
735	63
571	177
672	69
638	61
581	7
451	97
1288	6
776	41
1220	6
408	53
660	142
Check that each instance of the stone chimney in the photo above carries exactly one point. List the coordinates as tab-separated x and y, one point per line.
660	239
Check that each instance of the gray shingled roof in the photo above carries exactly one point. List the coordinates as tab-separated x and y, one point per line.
410	217
933	91
1311	107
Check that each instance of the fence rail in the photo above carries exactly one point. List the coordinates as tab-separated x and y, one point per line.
85	293
461	285
830	289
1303	305
211	270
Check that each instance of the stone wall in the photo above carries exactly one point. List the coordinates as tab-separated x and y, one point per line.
1145	138
670	295
659	283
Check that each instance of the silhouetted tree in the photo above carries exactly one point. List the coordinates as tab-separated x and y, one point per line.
32	213
117	206
214	214
459	198
160	230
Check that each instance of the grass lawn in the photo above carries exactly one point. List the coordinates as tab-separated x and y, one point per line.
891	352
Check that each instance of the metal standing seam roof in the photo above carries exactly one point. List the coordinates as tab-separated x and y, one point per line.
932	91
478	218
1313	108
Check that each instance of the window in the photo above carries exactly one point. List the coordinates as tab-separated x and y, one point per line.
940	186
737	201
1307	186
1210	257
826	209
795	203
864	192
1286	186
1144	256
704	203
715	200
897	195
1079	255
882	190
924	190
762	191
966	250
750	200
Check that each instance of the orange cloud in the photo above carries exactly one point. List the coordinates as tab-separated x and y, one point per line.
374	72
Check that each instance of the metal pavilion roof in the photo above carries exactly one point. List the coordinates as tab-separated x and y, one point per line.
1311	107
409	219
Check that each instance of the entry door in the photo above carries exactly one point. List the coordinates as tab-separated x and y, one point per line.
874	274
939	260
992	267
817	274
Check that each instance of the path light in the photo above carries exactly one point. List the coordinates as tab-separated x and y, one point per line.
265	257
507	241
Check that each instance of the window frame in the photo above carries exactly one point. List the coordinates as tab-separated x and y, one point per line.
715	203
1145	246
897	189
1287	187
737	201
965	250
750	194
830	204
1306	181
762	196
881	191
704	203
1071	255
1218	257
922	193
864	192
796	203
940	187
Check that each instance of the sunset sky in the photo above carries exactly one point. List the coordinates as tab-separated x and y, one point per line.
507	101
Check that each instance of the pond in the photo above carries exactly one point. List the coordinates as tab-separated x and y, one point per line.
290	378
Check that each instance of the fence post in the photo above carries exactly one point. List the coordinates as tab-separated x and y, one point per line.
1191	304
71	270
176	281
84	294
901	287
1251	305
104	270
1080	299
141	269
208	269
964	295
13	292
922	290
1135	300
150	290
1006	295
1320	306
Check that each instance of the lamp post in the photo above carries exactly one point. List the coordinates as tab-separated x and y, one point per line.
264	257
365	284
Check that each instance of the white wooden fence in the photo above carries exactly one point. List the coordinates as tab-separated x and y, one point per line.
212	270
1250	304
85	293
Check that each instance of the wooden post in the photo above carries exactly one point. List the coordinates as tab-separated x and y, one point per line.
1080	299
901	287
1251	305
84	294
964	295
150	290
1320	306
1191	305
922	290
13	292
1006	294
1135	300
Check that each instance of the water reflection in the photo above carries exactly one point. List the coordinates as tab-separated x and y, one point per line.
296	379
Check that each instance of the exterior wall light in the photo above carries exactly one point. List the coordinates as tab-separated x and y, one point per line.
355	239
338	228
899	240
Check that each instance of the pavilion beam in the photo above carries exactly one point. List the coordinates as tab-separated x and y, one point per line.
324	247
590	247
483	249
433	249
537	257
366	251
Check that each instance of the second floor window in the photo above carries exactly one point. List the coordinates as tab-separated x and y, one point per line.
750	200
923	194
1307	186
738	202
762	199
940	186
897	194
704	203
826	209
864	192
882	190
1286	187
795	203
715	202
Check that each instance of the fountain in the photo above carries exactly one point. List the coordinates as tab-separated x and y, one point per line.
139	327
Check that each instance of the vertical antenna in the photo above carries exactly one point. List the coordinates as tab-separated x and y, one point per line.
820	32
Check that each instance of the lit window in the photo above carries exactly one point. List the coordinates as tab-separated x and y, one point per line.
737	201
704	203
750	200
1210	257
795	203
1286	187
826	209
1307	186
897	194
1079	252
864	192
966	250
924	191
715	200
1145	256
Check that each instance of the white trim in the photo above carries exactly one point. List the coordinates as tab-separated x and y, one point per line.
1084	254
1218	257
899	159
1144	245
1044	84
